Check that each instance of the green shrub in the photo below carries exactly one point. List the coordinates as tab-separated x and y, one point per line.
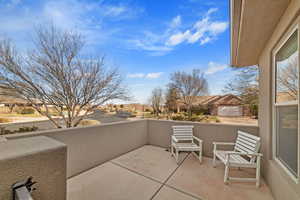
178	117
195	118
27	129
26	111
4	131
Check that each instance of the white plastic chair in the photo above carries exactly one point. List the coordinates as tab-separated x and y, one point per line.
183	140
246	146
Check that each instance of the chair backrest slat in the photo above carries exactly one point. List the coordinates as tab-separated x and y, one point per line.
183	132
247	143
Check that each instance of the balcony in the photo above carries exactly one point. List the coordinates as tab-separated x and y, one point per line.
125	160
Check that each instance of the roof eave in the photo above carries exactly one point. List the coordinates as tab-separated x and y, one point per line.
251	28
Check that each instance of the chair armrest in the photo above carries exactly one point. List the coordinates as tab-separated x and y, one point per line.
174	139
244	154
198	140
223	143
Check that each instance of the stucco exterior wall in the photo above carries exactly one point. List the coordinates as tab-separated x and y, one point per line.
40	157
92	146
159	132
282	186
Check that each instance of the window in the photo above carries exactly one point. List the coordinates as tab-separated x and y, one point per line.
286	107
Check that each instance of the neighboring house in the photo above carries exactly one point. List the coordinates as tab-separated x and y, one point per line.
220	105
136	107
266	33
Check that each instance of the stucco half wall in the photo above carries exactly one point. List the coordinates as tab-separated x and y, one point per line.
282	186
42	158
94	145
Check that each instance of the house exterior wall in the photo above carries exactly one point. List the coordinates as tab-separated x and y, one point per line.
282	186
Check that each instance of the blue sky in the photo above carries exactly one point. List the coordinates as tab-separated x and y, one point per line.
146	39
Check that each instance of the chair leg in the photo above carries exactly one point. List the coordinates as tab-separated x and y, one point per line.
258	172
172	150
200	156
226	174
214	160
177	155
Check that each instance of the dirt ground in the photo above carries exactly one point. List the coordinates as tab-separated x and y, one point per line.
238	120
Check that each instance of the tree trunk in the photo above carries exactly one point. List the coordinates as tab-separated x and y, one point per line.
189	112
11	107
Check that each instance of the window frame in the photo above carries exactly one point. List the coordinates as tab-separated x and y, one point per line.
274	104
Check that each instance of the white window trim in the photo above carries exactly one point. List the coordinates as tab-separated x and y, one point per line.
274	105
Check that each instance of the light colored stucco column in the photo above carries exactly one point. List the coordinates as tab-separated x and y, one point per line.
40	157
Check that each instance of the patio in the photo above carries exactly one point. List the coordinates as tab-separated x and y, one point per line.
150	172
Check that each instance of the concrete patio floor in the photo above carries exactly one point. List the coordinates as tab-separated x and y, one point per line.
151	173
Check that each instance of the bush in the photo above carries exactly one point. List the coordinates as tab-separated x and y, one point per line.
195	118
89	122
148	115
26	111
200	110
4	131
5	120
27	129
178	117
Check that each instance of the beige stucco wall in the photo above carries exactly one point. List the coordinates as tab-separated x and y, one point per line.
91	146
40	157
282	186
159	132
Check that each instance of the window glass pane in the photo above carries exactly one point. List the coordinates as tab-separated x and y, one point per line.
287	71
287	136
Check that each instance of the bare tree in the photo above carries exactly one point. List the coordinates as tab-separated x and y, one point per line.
287	77
189	86
56	75
171	98
245	85
156	100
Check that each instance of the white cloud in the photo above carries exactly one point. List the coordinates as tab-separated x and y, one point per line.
150	42
176	21
205	40
211	10
114	10
154	75
18	20
214	68
136	75
12	3
204	30
178	38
